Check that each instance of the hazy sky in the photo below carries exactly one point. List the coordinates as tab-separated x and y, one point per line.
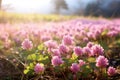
74	6
33	6
42	6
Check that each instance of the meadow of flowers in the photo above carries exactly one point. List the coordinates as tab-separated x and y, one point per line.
80	49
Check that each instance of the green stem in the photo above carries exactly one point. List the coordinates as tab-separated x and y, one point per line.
19	61
63	75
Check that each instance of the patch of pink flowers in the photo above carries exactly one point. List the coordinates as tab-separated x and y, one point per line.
68	44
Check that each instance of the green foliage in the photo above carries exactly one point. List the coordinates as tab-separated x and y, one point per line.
104	32
41	47
31	57
117	42
74	57
69	61
91	59
29	70
86	70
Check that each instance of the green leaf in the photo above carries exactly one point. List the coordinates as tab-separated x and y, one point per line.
26	71
42	57
41	47
27	67
31	65
91	59
86	70
118	42
104	32
31	57
74	56
92	65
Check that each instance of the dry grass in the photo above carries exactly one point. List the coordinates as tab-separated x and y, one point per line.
6	17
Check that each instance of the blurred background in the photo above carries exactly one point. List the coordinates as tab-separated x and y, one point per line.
13	11
105	8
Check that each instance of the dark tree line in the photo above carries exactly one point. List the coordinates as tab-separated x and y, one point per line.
97	9
105	8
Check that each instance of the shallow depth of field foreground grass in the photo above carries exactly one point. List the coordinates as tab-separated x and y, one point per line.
59	48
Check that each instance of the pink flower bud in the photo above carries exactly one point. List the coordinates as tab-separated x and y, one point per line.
63	49
81	63
39	68
78	51
111	71
51	44
45	38
97	50
75	68
56	52
85	39
87	51
27	44
89	44
101	61
56	61
67	40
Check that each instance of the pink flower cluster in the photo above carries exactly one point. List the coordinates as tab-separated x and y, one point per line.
75	67
102	62
27	44
97	50
81	63
111	71
56	52
63	49
51	44
78	51
93	49
56	61
39	68
67	40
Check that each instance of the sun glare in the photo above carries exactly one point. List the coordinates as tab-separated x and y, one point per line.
29	5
